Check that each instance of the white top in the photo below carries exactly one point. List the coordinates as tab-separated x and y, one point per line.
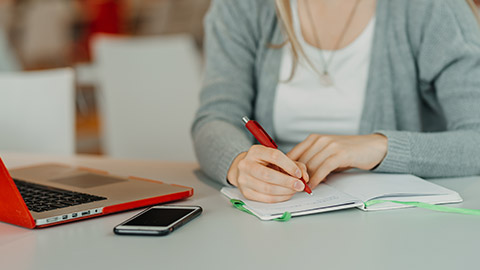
304	105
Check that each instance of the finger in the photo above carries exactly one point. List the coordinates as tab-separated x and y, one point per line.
314	163
342	169
251	182
318	146
300	148
276	157
257	196
330	165
304	170
275	177
268	188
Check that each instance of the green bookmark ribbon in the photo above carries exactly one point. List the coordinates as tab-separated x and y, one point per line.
439	208
240	205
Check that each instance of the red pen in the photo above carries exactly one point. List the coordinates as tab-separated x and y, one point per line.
262	137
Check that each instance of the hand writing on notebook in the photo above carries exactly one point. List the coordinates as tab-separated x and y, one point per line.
324	154
257	174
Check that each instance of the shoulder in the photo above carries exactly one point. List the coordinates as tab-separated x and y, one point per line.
426	11
253	18
422	6
423	20
244	8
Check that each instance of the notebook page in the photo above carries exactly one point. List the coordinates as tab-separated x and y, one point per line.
367	186
324	199
433	199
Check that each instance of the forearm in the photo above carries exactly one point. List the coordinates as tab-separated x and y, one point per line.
442	154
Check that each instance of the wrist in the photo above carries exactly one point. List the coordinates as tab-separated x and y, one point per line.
381	146
232	174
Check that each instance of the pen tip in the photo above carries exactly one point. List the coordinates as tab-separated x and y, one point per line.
311	194
245	119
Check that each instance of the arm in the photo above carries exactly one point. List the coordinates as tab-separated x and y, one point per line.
448	58
222	145
228	88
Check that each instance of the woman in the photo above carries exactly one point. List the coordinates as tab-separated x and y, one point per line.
388	86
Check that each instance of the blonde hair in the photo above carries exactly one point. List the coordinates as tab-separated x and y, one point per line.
284	13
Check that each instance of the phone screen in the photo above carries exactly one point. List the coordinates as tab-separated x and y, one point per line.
159	217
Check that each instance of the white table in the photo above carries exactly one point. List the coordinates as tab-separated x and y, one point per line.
223	237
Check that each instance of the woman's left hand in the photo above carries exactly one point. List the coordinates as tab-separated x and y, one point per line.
324	154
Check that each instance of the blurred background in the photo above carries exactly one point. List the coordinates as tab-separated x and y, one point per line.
105	41
108	77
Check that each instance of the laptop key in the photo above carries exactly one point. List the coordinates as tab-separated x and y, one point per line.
41	198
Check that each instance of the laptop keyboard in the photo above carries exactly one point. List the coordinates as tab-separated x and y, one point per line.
41	198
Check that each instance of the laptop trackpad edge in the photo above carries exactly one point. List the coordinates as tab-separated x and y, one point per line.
87	180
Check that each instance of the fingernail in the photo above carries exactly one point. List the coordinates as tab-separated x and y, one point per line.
299	186
298	173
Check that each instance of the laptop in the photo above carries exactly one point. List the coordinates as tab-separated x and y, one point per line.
51	194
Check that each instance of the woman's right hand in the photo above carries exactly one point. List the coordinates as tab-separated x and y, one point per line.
254	174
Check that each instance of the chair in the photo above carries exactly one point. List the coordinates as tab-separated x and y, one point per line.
149	95
37	112
8	61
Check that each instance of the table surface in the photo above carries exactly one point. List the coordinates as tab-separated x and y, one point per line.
225	237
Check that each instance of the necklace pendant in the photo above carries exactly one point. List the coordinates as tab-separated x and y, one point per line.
326	79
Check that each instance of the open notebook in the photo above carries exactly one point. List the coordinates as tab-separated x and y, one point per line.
352	189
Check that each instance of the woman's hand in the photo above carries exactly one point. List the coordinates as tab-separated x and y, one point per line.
267	175
324	154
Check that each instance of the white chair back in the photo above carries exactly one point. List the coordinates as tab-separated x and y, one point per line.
148	95
37	112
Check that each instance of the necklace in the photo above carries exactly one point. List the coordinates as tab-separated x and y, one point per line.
325	76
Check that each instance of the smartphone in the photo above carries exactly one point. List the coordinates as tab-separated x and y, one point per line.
158	220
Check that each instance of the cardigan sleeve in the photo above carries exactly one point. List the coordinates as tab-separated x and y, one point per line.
448	59
228	87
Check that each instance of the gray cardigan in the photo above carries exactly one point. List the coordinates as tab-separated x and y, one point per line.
423	88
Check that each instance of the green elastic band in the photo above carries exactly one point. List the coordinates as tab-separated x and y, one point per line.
240	206
433	207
